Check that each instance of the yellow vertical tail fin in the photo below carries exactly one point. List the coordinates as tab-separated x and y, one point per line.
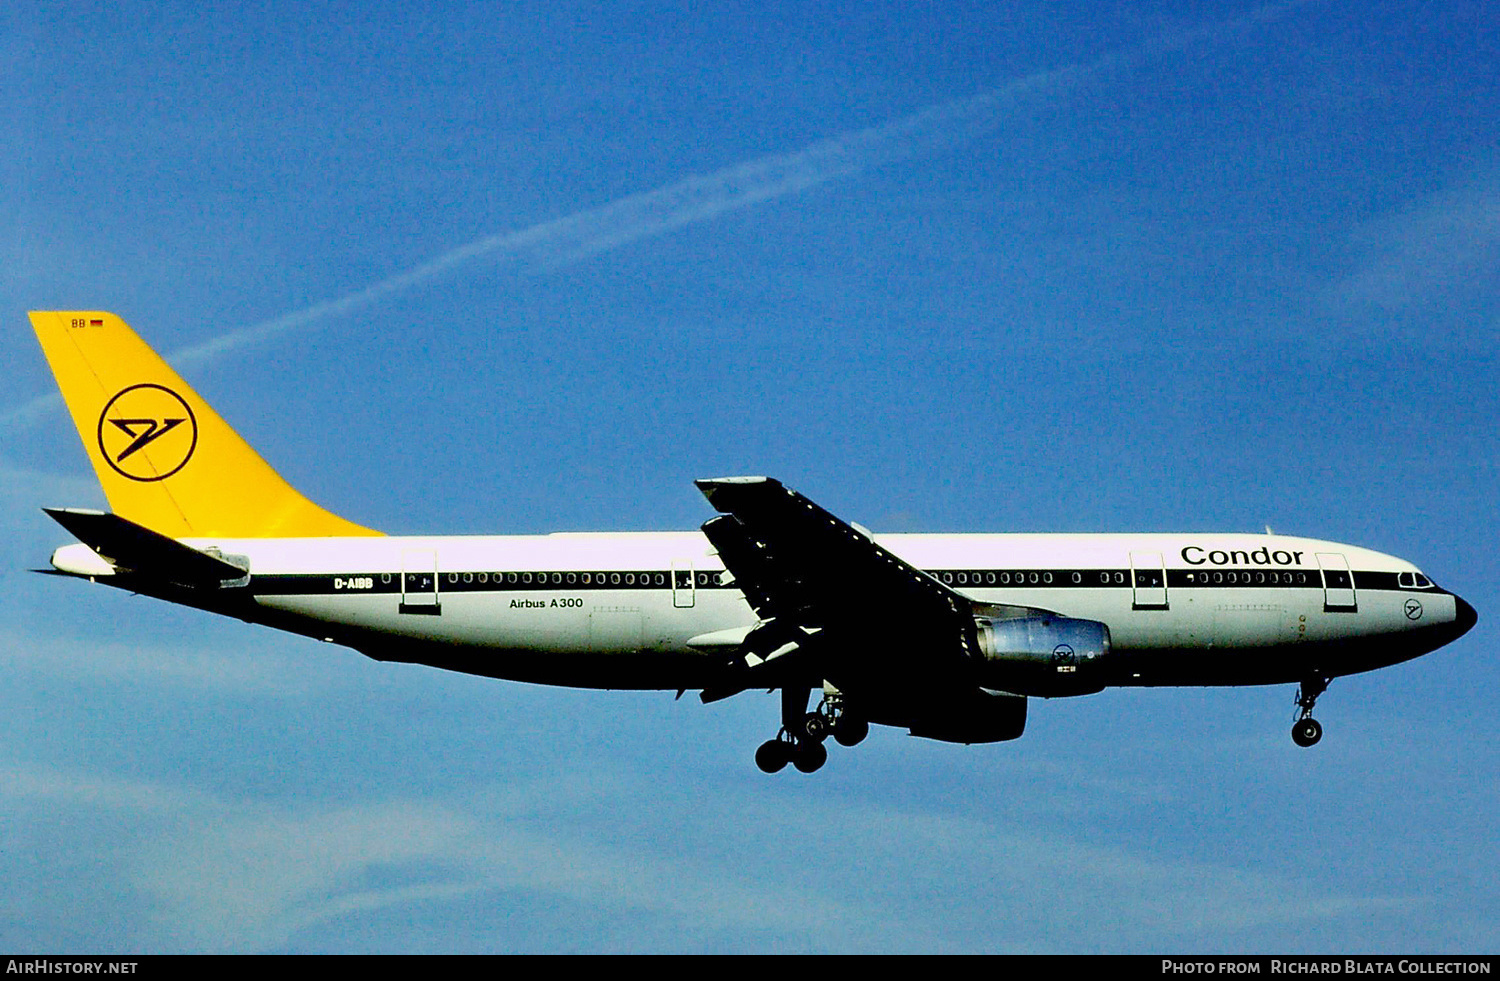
164	456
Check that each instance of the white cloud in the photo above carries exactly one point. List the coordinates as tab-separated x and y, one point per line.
220	874
95	791
1445	248
102	660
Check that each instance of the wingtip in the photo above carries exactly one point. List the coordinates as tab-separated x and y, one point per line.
711	486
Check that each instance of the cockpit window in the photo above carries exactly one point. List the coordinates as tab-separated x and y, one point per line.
1413	580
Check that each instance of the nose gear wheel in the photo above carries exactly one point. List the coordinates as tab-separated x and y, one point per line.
1306	731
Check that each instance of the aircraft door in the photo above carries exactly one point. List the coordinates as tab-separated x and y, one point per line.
1338	583
419	582
684	589
1148	576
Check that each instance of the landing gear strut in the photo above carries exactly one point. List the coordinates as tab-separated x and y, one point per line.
847	729
774	754
1306	731
800	741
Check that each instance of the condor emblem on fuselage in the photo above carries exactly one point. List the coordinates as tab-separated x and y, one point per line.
147	432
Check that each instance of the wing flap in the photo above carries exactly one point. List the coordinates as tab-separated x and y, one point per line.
795	554
870	619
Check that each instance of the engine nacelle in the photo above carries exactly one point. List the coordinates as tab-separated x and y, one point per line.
1043	655
978	716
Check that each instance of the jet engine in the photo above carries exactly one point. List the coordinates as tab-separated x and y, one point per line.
1043	655
977	716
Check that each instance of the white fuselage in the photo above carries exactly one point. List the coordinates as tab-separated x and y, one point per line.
620	610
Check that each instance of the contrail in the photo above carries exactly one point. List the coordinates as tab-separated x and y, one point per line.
569	239
575	237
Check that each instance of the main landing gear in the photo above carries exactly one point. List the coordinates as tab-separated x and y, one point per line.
800	741
1306	731
775	754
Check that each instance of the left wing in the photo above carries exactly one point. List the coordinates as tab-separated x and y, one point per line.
850	611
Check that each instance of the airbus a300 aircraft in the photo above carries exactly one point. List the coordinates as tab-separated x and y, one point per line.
944	635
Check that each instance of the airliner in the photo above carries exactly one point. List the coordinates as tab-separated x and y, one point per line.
944	635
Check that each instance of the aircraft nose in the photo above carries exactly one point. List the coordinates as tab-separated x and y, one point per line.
1464	616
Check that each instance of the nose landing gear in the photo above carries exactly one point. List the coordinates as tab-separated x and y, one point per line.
1306	731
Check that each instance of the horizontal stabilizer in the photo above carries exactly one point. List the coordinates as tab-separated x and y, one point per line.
130	547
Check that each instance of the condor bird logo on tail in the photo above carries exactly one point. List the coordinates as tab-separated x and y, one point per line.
147	416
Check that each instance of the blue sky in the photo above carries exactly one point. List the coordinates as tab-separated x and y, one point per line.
533	267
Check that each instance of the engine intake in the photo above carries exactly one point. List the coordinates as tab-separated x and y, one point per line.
1043	655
